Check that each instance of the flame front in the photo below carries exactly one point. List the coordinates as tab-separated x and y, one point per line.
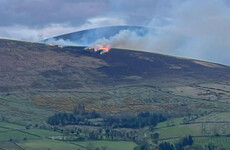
102	48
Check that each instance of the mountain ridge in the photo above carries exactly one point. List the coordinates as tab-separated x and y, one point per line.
116	65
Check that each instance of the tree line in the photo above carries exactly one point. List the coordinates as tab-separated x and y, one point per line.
80	116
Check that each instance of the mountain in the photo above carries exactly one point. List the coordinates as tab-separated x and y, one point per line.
42	79
89	36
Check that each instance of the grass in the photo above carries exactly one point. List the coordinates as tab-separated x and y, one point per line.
36	139
111	145
181	130
224	141
173	121
9	146
60	145
18	108
48	144
3	129
16	136
117	99
6	125
44	133
215	116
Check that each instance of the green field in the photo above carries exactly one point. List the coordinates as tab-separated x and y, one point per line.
16	137
6	125
180	131
44	133
224	141
215	116
60	145
111	145
47	144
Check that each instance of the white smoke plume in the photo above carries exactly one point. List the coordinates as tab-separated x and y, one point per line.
194	29
152	41
60	42
189	28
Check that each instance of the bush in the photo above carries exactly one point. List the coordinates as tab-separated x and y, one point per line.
166	146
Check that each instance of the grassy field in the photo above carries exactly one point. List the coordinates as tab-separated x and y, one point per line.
9	145
224	141
46	104
44	133
131	98
16	137
48	144
128	99
111	145
6	125
209	124
60	145
215	116
180	131
213	126
173	121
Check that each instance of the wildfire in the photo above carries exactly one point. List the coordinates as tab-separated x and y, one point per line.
103	49
50	44
59	46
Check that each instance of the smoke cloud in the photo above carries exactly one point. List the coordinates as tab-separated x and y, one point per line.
189	28
193	29
60	42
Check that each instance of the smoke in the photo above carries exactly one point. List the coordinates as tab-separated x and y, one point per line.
60	42
153	41
203	28
194	29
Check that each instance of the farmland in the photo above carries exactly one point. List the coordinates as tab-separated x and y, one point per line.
18	137
191	95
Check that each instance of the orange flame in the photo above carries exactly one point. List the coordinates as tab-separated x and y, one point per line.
103	49
50	44
106	48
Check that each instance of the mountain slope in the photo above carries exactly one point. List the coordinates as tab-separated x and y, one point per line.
37	66
46	78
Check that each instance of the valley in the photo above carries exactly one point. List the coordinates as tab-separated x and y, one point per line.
38	81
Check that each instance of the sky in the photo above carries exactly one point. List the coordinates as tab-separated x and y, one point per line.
197	29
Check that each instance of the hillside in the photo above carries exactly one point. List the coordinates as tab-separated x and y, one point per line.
39	82
46	78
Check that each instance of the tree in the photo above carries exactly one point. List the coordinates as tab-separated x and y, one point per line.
155	137
166	146
211	146
184	142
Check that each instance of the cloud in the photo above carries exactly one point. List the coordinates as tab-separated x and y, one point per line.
23	32
106	21
34	34
38	13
